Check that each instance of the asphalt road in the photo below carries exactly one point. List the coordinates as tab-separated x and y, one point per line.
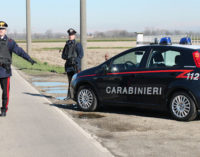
33	128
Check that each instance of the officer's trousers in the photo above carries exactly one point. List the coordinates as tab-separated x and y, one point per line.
5	86
69	75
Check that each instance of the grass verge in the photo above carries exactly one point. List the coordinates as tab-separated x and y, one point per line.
109	47
39	67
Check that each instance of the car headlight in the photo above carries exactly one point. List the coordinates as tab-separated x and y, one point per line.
74	77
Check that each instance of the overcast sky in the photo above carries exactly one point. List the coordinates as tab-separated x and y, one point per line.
103	15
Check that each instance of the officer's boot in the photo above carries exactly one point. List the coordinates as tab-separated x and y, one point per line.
3	112
68	96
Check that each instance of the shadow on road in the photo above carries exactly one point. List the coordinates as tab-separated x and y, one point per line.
132	111
66	106
39	95
28	69
120	110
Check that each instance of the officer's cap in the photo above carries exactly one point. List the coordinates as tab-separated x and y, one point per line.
3	24
71	31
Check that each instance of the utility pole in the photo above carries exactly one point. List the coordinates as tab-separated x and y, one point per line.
28	27
83	30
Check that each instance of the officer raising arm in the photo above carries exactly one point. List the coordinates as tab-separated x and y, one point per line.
72	53
7	46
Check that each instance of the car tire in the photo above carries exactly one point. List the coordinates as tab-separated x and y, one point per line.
86	99
182	107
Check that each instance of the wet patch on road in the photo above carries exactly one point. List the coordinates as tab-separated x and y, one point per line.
55	88
87	116
121	127
47	84
56	91
60	98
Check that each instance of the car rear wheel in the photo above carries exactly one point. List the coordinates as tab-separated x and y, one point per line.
86	99
182	107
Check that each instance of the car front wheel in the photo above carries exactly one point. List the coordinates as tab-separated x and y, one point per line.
182	107
86	99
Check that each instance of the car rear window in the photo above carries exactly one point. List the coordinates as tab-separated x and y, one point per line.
171	58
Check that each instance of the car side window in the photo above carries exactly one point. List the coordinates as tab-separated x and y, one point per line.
165	59
127	62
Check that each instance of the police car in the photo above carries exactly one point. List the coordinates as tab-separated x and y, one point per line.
160	76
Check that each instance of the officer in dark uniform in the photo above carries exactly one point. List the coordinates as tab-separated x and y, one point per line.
7	46
72	53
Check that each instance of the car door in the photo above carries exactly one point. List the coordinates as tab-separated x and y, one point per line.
118	75
163	66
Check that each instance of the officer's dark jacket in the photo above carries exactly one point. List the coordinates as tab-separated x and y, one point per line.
80	53
13	47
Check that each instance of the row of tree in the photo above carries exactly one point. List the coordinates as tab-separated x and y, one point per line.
146	32
168	32
49	34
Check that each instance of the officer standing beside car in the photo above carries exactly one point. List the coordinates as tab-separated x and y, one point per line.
7	46
72	53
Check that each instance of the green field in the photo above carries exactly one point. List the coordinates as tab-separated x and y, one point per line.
43	40
89	40
51	48
109	47
22	64
60	48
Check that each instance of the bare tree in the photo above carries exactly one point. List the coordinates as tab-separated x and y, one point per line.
49	34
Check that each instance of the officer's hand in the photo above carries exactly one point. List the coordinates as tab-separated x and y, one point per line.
33	62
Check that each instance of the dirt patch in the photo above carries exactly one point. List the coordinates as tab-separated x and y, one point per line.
93	57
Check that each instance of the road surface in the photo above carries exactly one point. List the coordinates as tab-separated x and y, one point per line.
33	128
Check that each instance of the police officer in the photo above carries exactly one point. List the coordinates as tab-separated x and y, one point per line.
7	46
106	56
72	53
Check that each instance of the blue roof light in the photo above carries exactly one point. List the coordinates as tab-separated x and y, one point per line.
165	41
186	41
